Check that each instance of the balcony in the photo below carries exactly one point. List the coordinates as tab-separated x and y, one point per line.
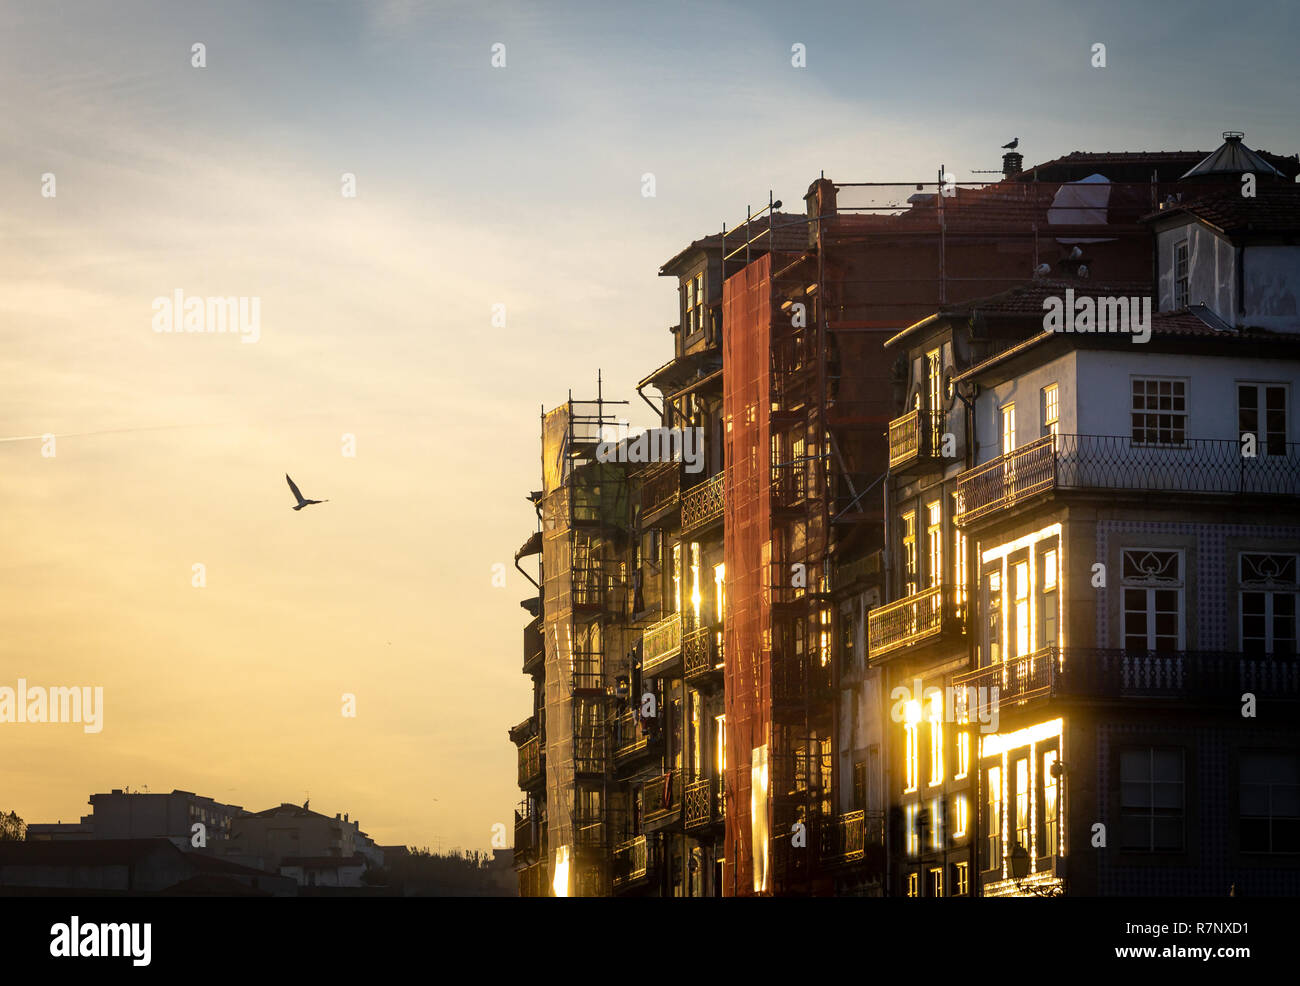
534	648
532	763
702	655
705	803
1202	677
532	881
662	801
1114	462
525	844
661	491
633	742
854	837
915	440
789	485
702	505
862	570
929	616
630	864
661	645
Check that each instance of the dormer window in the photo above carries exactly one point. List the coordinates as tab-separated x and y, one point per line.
693	294
1180	275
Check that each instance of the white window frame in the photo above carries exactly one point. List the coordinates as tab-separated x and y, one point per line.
1150	588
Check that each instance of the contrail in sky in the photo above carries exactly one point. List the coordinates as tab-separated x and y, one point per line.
106	431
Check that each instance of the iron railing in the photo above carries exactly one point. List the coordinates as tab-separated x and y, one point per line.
630	862
702	504
662	797
661	643
912	620
531	761
532	881
1079	672
630	737
704	802
915	436
661	488
1116	462
846	837
699	648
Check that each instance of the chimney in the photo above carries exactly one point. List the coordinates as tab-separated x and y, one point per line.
819	201
1012	164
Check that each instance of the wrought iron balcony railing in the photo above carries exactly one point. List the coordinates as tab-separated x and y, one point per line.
704	802
914	620
702	505
662	798
631	738
915	437
661	644
532	881
1079	672
848	837
532	761
1116	462
661	489
859	570
701	655
630	862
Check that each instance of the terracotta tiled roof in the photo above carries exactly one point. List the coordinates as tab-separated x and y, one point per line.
1274	209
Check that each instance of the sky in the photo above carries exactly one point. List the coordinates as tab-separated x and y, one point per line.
476	186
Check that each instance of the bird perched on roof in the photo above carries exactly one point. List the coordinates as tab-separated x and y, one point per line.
302	501
1012	146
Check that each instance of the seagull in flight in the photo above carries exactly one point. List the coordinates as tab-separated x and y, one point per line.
1011	146
302	501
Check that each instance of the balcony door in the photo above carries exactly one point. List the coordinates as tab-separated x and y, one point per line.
991	641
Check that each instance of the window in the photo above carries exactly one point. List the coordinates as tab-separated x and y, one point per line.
860	785
993	819
1270	803
909	553
934	386
961	880
961	819
720	593
1021	572
1050	827
963	755
936	881
934	544
1008	428
677	578
720	732
693	294
914	885
696	597
848	636
910	752
958	564
1180	275
1051	408
1159	412
993	618
1269	428
1153	599
1048	572
934	818
1151	800
1022	803
910	818
936	738
696	737
1268	603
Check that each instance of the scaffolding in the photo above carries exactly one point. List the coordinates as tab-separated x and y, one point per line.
585	520
808	302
